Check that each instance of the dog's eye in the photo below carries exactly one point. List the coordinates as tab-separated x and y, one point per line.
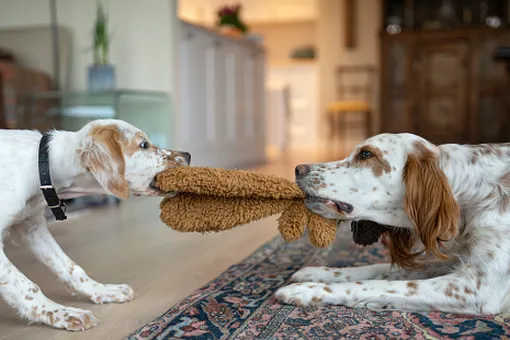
144	144
365	154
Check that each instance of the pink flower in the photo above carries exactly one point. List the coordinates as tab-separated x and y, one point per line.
229	10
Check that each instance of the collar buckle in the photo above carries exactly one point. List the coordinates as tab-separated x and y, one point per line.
61	205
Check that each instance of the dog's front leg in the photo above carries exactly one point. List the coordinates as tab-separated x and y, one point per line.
385	271
35	234
337	275
27	299
449	293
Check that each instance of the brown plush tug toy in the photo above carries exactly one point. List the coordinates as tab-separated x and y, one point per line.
213	200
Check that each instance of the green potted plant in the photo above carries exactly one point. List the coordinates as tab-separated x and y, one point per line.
229	20
101	72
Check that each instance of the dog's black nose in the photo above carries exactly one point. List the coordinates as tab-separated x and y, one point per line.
302	170
187	156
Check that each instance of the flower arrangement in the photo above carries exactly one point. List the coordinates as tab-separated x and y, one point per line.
228	16
100	35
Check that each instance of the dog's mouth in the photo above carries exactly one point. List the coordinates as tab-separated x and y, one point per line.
326	206
154	185
154	190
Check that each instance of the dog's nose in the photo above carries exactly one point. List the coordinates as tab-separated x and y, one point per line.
187	156
302	170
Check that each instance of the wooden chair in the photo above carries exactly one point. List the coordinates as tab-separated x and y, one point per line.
355	91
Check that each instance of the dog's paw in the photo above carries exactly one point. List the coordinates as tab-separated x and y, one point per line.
318	274
72	319
303	294
107	293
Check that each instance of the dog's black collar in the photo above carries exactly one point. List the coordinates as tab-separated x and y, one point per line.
50	194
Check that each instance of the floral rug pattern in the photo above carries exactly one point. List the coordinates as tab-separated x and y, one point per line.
240	304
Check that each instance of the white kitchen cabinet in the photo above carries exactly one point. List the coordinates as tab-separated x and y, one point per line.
222	99
277	117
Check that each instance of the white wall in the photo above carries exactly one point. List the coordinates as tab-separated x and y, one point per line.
144	37
15	13
331	47
141	41
280	39
254	11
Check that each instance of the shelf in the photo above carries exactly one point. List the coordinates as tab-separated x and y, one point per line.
445	14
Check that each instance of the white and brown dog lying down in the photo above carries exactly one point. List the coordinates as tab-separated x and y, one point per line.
452	201
104	157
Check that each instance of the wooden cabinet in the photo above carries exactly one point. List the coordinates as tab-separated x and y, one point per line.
445	86
491	92
441	92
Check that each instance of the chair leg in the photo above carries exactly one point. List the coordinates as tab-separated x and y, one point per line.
3	120
368	122
330	127
333	134
339	134
345	132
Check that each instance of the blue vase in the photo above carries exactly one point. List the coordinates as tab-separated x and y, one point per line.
101	77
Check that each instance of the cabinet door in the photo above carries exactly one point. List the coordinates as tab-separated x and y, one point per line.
395	88
192	90
491	89
442	92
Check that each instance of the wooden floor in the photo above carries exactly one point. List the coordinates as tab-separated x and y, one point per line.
128	244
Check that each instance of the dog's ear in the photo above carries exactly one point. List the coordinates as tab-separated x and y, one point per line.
103	157
429	201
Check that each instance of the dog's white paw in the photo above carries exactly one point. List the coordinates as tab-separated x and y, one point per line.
108	293
62	317
303	294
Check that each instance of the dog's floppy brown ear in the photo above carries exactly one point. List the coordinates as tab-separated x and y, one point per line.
103	157
429	200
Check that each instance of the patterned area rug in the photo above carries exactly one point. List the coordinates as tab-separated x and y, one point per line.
240	304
